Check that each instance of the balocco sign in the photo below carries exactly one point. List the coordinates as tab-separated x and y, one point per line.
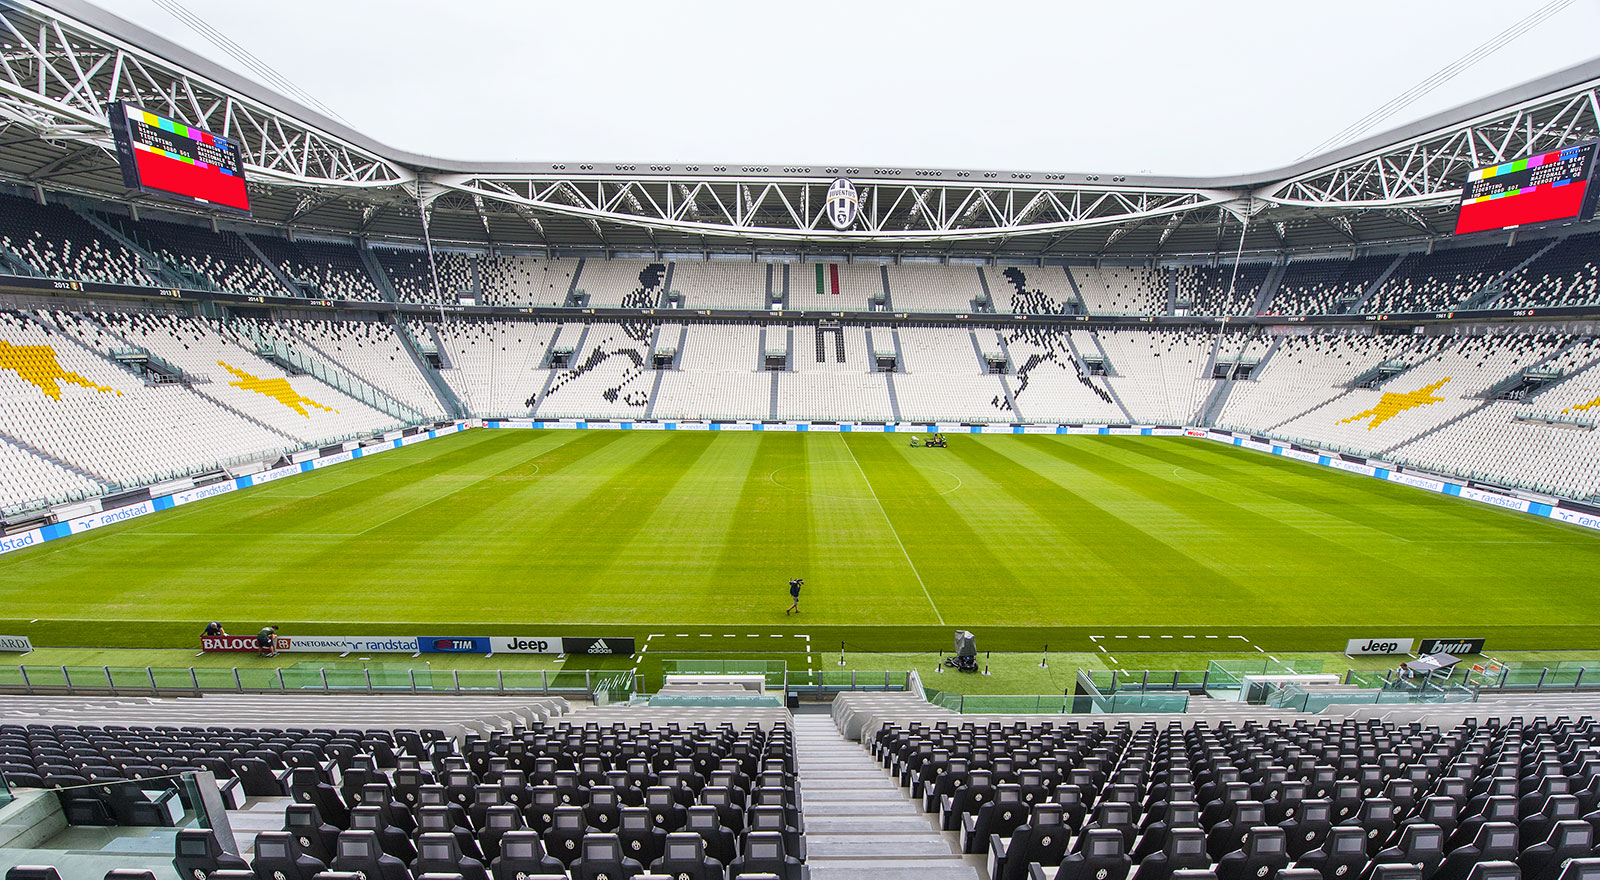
1378	646
233	644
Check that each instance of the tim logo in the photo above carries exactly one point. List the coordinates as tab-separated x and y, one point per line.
843	205
454	645
1457	647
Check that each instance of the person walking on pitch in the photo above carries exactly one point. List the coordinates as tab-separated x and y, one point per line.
794	590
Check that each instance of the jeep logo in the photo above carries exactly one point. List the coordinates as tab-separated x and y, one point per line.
1378	646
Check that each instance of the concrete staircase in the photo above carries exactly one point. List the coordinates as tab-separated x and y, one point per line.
859	826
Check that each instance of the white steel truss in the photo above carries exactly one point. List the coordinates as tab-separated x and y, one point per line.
57	76
58	73
1430	169
789	208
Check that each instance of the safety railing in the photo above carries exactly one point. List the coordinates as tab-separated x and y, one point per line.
164	681
1047	704
825	683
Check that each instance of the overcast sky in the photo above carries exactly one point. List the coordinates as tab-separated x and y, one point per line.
1161	86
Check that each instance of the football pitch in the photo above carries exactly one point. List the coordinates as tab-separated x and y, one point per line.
1025	539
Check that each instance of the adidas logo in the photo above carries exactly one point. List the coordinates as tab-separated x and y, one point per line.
599	647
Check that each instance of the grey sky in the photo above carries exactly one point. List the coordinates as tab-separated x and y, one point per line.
1164	86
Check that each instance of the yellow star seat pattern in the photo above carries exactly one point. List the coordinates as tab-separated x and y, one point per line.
1583	406
1392	404
277	389
37	364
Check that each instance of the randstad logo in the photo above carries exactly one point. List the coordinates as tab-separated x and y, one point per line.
17	543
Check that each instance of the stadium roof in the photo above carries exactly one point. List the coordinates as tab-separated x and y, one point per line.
65	61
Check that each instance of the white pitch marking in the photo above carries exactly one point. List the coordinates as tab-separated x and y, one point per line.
893	531
1144	637
1102	648
729	636
752	636
1119	637
705	635
682	635
1188	637
1168	637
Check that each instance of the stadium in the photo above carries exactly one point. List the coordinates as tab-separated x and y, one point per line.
610	520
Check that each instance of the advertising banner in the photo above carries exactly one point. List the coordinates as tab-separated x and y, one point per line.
20	541
350	644
1378	646
19	644
453	644
597	646
1494	498
230	644
527	644
111	517
1458	647
1417	482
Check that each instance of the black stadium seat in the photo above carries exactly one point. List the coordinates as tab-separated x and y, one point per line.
522	855
199	854
278	856
359	853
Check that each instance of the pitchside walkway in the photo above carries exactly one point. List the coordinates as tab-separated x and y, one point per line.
859	826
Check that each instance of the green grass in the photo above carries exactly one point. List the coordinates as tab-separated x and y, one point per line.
1026	539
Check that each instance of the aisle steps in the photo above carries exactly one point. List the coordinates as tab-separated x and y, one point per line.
859	825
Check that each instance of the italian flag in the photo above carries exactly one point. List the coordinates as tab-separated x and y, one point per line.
827	274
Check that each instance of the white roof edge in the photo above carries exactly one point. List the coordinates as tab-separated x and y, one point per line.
135	35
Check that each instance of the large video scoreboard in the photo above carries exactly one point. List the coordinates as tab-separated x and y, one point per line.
167	157
1538	189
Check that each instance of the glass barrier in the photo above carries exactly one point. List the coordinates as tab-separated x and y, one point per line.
773	669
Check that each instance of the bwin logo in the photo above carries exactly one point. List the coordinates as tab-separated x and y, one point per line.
843	205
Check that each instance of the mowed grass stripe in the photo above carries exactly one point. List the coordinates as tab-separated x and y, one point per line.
210	565
951	556
672	551
866	575
417	557
510	548
1113	528
770	533
1400	511
1322	567
1011	509
404	564
580	549
1388	580
511	530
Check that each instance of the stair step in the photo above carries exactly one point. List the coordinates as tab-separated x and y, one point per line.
891	846
860	823
867	823
922	869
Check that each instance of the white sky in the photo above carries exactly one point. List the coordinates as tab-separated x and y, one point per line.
1163	86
